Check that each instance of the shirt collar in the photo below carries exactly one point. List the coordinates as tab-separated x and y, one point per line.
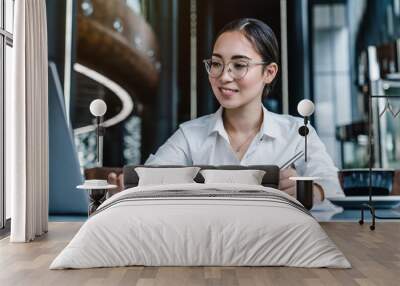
217	125
269	126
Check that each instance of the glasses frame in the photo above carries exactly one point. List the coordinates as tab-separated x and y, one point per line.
250	63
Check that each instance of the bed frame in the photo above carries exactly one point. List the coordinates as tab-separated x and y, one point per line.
131	179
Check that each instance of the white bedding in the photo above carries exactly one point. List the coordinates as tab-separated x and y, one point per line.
181	231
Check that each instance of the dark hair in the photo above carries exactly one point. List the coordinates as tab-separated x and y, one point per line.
263	39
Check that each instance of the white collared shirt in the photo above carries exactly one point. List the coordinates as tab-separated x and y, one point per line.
204	141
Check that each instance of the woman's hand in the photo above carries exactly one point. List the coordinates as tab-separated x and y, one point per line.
285	184
113	179
288	186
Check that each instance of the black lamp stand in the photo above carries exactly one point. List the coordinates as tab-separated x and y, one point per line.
100	130
303	131
304	188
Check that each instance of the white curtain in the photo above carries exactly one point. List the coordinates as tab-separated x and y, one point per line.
27	124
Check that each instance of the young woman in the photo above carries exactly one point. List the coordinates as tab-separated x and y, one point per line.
242	69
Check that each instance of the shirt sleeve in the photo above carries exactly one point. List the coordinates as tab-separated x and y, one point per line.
319	164
173	152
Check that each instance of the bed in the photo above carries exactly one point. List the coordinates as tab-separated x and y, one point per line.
201	224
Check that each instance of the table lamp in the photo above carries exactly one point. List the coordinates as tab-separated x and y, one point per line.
98	108
304	185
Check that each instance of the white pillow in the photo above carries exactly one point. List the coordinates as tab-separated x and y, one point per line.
248	177
162	176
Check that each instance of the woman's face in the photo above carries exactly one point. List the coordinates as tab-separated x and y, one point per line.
230	92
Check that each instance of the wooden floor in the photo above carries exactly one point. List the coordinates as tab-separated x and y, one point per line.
374	255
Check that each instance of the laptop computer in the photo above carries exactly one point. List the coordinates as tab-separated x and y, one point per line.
355	183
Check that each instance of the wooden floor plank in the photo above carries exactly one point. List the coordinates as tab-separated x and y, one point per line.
375	257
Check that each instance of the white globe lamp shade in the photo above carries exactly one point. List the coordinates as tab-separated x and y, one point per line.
98	107
305	107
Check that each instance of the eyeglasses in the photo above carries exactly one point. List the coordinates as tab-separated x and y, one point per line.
236	68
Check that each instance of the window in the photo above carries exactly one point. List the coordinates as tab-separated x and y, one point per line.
6	44
331	73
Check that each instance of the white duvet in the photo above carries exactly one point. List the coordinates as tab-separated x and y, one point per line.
183	231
